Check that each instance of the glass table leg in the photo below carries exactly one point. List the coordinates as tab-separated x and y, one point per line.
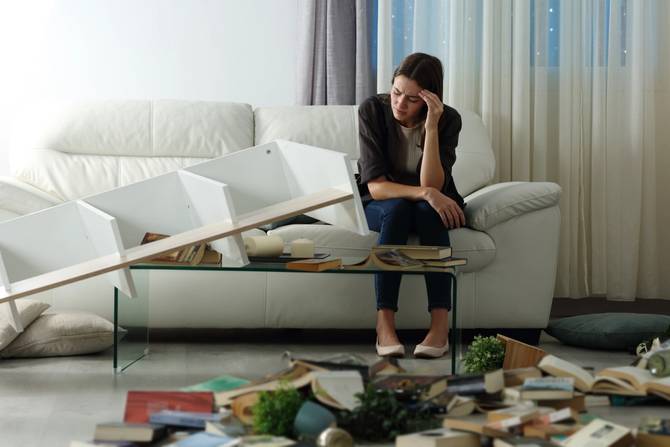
131	323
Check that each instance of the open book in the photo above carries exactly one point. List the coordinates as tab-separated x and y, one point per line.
624	380
195	254
395	259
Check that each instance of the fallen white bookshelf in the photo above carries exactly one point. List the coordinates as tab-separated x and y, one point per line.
213	201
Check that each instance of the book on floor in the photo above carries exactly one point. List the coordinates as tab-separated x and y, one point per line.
477	384
516	376
440	437
476	423
522	442
548	388
550	431
188	419
124	431
623	380
220	383
140	404
519	354
412	386
348	362
297	376
203	439
601	433
653	432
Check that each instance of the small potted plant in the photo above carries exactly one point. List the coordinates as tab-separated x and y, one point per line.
484	354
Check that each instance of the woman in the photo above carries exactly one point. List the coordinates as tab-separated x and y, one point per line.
408	145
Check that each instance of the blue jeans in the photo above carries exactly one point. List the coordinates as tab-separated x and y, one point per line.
395	219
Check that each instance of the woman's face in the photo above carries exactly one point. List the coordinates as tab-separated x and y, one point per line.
405	100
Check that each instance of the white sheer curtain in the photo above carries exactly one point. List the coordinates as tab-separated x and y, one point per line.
574	92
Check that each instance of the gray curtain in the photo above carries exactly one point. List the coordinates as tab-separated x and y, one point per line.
334	54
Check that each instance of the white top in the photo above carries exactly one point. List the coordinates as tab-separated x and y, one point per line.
410	138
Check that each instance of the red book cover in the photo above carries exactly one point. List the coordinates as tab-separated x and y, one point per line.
141	404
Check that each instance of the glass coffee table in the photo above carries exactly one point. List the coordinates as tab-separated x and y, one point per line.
131	315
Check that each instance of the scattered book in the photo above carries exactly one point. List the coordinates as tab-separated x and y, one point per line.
315	264
550	431
337	389
265	441
188	419
516	376
203	439
477	384
548	388
191	255
653	432
624	380
140	404
518	414
601	433
124	431
429	252
346	362
522	442
441	437
519	354
412	386
475	424
220	383
297	376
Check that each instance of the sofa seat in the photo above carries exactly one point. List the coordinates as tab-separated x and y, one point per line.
476	246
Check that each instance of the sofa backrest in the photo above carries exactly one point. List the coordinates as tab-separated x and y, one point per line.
336	128
76	149
80	148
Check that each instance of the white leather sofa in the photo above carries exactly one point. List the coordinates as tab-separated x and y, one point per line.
67	151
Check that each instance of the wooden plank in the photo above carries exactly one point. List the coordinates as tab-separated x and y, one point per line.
207	233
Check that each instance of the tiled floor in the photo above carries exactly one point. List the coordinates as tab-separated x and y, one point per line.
49	402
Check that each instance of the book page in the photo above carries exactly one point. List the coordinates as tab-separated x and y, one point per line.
662	386
638	377
342	386
561	368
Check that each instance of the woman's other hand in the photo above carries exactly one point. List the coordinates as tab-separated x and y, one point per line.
451	214
435	108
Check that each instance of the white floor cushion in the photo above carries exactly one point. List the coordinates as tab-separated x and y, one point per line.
28	309
61	334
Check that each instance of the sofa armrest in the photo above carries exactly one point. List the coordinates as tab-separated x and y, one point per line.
21	198
498	203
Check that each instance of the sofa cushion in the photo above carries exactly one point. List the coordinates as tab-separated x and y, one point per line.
107	144
330	127
53	172
159	128
476	246
498	203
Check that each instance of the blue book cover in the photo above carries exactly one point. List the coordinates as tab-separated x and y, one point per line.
204	439
185	418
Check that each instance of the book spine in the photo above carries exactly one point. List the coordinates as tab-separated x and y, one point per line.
181	421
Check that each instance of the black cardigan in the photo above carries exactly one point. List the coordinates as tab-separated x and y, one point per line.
379	139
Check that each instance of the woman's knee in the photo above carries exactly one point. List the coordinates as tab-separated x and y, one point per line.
397	209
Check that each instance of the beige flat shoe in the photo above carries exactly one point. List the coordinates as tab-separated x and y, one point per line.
430	352
390	351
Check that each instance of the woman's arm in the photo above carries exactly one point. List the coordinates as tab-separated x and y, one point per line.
381	189
450	213
432	172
